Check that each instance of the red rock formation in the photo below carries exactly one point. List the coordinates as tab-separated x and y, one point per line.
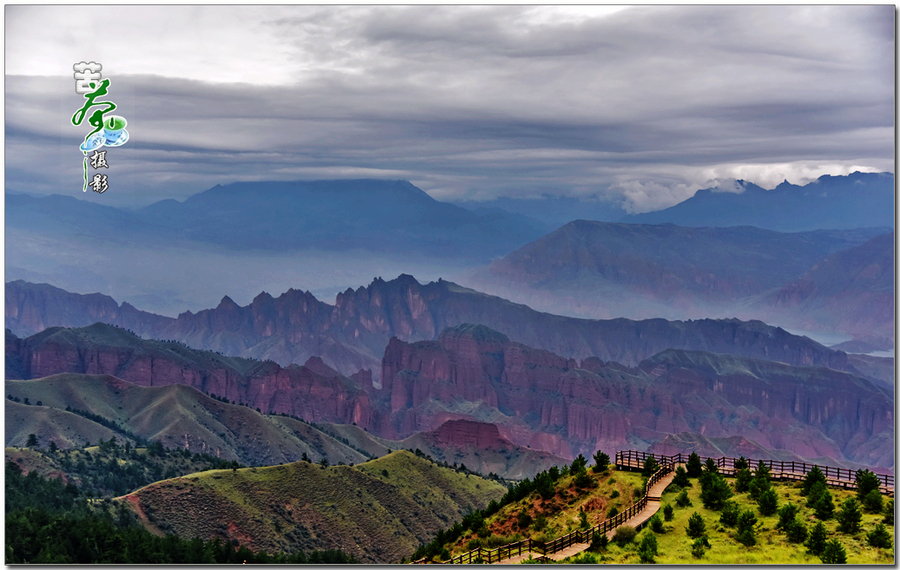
467	434
551	404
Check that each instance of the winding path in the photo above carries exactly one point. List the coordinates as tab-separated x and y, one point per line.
654	496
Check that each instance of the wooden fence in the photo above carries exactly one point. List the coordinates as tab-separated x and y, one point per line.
631	459
793	470
579	536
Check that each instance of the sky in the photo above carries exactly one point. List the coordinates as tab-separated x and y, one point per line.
639	105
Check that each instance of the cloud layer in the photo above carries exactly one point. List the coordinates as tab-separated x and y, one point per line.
643	104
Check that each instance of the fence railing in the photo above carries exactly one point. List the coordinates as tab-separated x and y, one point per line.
780	469
563	542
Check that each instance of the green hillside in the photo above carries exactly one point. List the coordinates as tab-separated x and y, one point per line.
177	416
558	502
377	512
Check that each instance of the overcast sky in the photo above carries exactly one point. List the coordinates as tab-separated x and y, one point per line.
642	104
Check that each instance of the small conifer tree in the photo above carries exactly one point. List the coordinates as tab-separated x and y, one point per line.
815	544
849	517
834	553
696	526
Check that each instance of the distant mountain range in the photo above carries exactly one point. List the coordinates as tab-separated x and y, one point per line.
352	334
858	200
532	397
373	215
824	280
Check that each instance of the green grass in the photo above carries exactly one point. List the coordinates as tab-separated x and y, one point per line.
772	547
561	512
304	506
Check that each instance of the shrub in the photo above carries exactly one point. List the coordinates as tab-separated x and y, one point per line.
599	542
889	513
624	534
834	553
694	466
879	537
742	480
613	511
730	513
849	517
540	523
866	481
637	493
681	477
700	546
815	544
656	524
696	526
682	500
648	549
814	476
614	494
524	520
668	512
768	502
796	531
873	502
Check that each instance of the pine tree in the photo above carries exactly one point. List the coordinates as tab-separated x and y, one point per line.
834	553
768	502
873	501
786	515
796	531
879	537
647	550
694	466
815	544
715	490
814	476
866	481
742	480
681	477
668	512
824	506
730	513
601	462
849	517
696	526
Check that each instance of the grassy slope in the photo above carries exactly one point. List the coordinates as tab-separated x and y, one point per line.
50	424
561	511
370	515
772	546
175	415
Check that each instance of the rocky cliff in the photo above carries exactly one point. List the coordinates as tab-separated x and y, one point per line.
352	334
552	403
314	393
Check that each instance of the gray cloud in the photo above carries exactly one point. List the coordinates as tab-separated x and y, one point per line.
645	104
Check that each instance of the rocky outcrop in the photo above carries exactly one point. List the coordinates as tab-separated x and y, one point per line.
31	308
556	404
314	392
532	397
